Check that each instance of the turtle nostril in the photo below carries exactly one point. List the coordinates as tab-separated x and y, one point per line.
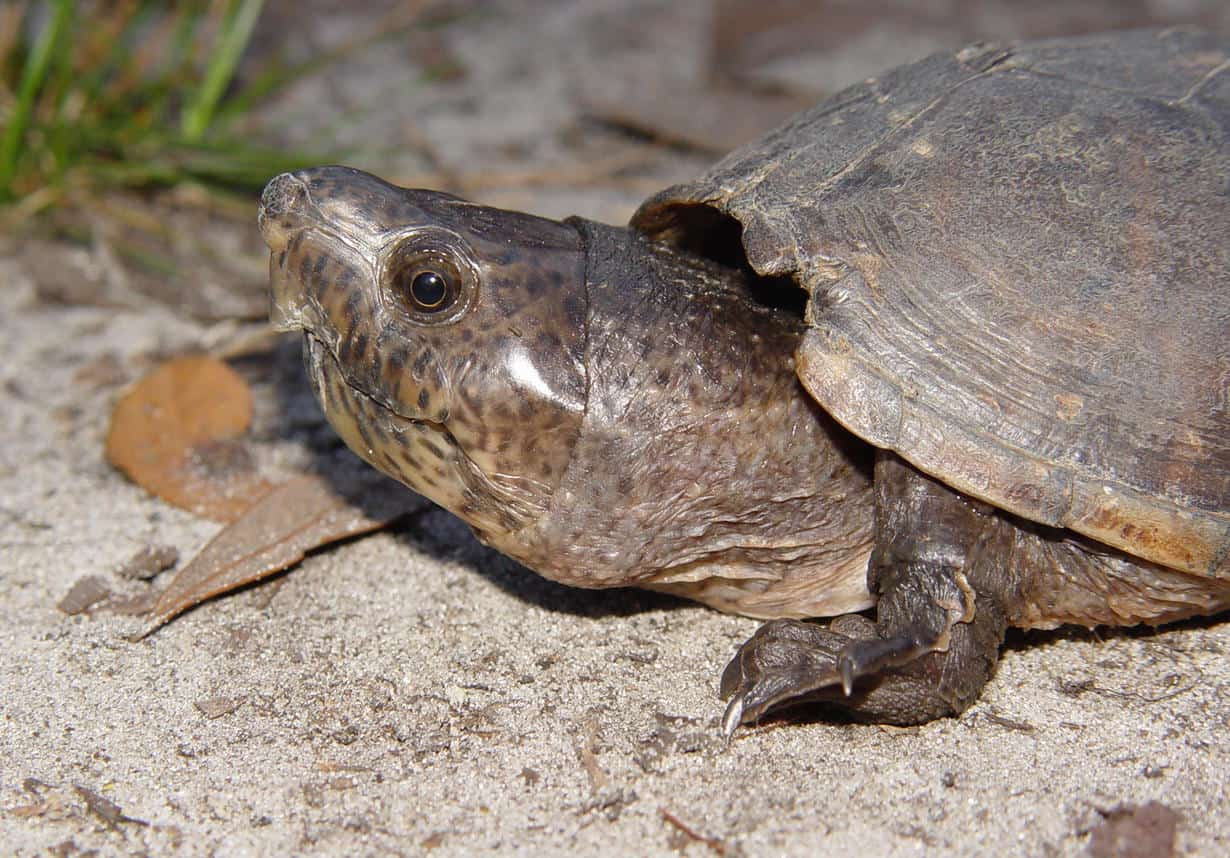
284	196
281	194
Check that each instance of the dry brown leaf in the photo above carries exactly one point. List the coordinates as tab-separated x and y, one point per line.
277	531
176	433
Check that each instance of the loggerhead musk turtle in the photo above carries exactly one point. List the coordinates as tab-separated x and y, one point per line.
1014	362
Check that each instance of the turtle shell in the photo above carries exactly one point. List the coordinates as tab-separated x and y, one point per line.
1018	260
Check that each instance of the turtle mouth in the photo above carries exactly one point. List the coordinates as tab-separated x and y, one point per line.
274	233
320	361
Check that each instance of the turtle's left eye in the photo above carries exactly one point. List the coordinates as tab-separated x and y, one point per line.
429	284
431	292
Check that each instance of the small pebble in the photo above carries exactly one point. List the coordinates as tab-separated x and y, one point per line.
87	592
149	561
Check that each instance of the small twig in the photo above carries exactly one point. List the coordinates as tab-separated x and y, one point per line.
105	809
1150	698
597	777
692	834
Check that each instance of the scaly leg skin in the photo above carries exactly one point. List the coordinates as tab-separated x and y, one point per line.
941	573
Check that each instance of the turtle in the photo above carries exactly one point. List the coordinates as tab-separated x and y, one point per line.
946	354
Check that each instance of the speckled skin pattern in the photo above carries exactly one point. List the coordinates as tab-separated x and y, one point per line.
603	409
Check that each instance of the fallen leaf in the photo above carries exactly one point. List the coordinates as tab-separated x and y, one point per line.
277	531
1135	831
176	433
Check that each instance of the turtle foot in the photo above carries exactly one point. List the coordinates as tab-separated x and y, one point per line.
786	660
845	664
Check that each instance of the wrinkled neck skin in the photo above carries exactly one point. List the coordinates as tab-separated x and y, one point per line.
702	467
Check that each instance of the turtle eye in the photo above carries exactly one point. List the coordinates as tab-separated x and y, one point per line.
426	285
430	283
431	292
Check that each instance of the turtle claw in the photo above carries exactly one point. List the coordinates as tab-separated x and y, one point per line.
732	717
788	660
898	679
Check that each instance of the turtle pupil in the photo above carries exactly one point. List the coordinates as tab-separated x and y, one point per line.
429	289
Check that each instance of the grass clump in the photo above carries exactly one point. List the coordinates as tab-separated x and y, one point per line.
104	95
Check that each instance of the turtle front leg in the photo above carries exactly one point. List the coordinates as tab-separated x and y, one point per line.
939	572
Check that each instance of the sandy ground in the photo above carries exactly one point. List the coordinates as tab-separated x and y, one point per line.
412	692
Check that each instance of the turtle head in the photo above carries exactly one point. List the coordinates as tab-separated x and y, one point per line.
444	340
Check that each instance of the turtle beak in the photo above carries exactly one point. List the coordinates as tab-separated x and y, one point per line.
279	217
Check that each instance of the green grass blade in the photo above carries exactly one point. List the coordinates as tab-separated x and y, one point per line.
236	31
33	74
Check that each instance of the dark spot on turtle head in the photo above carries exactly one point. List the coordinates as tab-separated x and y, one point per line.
420	365
365	428
424	399
354	303
358	346
466	335
385	462
395	361
306	264
318	267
